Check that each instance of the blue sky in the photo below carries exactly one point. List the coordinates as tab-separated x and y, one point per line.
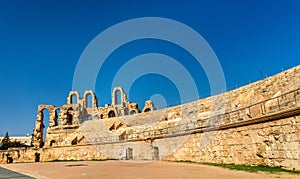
41	42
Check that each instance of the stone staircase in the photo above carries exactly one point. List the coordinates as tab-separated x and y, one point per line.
96	132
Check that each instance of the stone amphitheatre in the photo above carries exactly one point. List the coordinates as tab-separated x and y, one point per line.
255	124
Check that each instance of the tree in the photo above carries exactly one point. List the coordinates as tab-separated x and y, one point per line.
5	142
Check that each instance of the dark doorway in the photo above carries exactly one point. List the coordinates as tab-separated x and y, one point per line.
9	159
52	142
147	110
129	154
70	117
155	153
37	157
111	114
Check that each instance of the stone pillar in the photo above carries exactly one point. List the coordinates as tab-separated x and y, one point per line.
38	131
63	116
52	118
76	116
69	100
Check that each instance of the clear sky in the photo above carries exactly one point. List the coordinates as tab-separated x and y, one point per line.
41	42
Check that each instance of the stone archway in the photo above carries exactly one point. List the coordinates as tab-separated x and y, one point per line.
123	97
111	114
87	102
71	95
149	106
70	117
57	117
37	157
134	109
132	112
147	110
40	128
90	117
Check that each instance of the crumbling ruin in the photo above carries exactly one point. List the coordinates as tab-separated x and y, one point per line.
255	124
76	111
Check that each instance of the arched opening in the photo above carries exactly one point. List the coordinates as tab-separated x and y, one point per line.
37	157
112	127
74	99
70	119
90	117
45	114
70	116
88	101
101	116
57	118
118	97
132	112
74	141
147	110
111	114
9	159
52	142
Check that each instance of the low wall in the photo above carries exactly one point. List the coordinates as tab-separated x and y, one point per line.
260	126
14	155
273	143
23	155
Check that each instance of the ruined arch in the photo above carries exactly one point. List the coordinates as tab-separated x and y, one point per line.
57	117
70	97
89	117
70	116
93	102
111	113
149	106
122	96
52	142
134	109
46	122
132	112
89	101
147	110
40	127
118	97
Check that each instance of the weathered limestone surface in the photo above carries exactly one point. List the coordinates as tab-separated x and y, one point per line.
255	124
71	153
19	155
274	143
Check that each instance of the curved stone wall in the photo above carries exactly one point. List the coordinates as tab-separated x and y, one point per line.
254	124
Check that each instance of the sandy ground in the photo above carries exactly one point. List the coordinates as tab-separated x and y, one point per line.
132	170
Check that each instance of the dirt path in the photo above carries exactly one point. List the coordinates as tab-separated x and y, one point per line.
132	170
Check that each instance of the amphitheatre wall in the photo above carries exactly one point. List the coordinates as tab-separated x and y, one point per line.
255	124
260	126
